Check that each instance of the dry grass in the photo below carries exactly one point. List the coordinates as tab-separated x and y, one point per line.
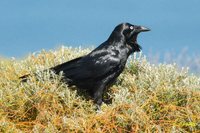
146	98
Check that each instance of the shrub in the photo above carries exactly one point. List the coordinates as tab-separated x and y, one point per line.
146	98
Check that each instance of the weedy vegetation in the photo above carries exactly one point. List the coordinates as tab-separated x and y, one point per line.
145	98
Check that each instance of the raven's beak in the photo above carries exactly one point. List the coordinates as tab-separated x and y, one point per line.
142	29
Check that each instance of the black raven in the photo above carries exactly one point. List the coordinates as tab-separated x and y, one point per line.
101	67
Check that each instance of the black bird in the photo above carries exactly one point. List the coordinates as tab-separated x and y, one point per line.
101	67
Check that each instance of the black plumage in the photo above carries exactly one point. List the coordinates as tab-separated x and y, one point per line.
101	67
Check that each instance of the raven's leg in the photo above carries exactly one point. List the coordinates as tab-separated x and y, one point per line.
98	96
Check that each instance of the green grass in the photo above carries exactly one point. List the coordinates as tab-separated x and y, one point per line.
146	98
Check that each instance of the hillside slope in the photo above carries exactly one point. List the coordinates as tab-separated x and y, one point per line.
146	98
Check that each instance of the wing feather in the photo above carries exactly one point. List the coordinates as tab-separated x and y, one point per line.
90	67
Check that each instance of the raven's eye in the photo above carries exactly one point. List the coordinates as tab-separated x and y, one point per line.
131	27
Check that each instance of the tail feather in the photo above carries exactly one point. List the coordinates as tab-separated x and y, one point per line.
56	69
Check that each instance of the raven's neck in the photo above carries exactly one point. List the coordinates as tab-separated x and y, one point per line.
117	38
122	45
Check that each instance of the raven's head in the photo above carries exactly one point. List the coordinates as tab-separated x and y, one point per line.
129	34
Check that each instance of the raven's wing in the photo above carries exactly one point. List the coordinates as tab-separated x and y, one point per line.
89	68
65	66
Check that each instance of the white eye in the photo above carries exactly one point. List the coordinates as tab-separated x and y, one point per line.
131	27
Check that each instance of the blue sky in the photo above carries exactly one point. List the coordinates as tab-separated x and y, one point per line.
27	26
